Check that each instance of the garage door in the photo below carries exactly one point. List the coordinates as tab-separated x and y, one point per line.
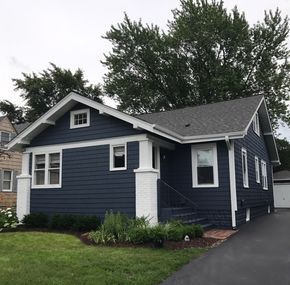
282	196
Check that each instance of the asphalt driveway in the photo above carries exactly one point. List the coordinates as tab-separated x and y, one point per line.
258	254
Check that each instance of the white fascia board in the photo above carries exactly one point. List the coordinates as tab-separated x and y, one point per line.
108	141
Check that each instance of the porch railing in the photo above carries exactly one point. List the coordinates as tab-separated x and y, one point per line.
169	197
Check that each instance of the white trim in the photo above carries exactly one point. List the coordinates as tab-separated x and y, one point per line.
256	124
264	174
245	175
116	140
77	112
257	169
11	181
248	214
194	149
233	188
112	146
46	169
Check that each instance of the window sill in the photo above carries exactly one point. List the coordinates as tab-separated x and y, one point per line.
246	186
45	186
79	126
265	189
206	186
5	190
117	169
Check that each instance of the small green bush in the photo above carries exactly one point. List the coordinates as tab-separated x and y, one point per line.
62	222
86	223
139	235
158	235
198	231
102	236
175	233
35	220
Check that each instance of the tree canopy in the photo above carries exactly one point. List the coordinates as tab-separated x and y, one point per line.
42	91
283	147
208	54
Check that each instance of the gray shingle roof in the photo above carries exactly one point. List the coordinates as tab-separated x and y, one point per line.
20	127
282	175
217	118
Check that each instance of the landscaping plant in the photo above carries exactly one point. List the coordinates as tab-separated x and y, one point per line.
8	219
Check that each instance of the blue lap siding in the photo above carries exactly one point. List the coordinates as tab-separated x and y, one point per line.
88	186
101	126
213	203
253	197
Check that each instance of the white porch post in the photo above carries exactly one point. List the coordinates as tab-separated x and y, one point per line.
23	188
146	184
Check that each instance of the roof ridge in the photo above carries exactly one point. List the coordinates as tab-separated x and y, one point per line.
202	105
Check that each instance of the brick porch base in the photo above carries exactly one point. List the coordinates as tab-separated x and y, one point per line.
7	200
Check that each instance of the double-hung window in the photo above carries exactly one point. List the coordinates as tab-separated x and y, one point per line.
80	118
264	175
118	157
245	168
7	180
204	166
47	170
5	138
256	124
257	169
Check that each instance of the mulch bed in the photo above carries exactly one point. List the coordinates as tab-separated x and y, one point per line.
173	245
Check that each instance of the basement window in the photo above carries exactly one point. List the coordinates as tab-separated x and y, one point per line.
204	166
80	118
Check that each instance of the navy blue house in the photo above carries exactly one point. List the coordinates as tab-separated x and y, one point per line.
210	164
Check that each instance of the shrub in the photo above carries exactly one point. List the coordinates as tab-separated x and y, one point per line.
198	230
158	235
62	222
8	219
35	220
102	236
142	222
139	235
175	233
117	225
86	223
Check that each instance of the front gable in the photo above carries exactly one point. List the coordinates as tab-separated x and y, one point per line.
101	126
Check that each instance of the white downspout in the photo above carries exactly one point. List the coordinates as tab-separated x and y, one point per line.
232	172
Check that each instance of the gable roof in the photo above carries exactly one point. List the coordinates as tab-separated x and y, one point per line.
217	118
281	175
21	127
226	120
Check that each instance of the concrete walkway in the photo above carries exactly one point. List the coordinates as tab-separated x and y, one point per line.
259	254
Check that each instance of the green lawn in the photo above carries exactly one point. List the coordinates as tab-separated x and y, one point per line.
47	258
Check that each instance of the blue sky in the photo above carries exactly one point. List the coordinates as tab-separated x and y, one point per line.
69	33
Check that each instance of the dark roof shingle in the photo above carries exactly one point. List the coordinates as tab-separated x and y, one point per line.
216	118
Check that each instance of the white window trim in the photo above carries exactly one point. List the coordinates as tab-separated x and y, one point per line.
256	124
112	146
257	170
73	113
246	176
46	185
263	163
194	149
11	181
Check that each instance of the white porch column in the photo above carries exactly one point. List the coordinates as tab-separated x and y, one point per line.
146	184
23	188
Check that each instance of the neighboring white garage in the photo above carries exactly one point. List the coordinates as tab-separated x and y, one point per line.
282	189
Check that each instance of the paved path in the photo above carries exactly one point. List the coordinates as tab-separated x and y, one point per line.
259	254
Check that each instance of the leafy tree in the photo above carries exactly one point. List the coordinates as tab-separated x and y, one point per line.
283	147
42	91
207	55
14	113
